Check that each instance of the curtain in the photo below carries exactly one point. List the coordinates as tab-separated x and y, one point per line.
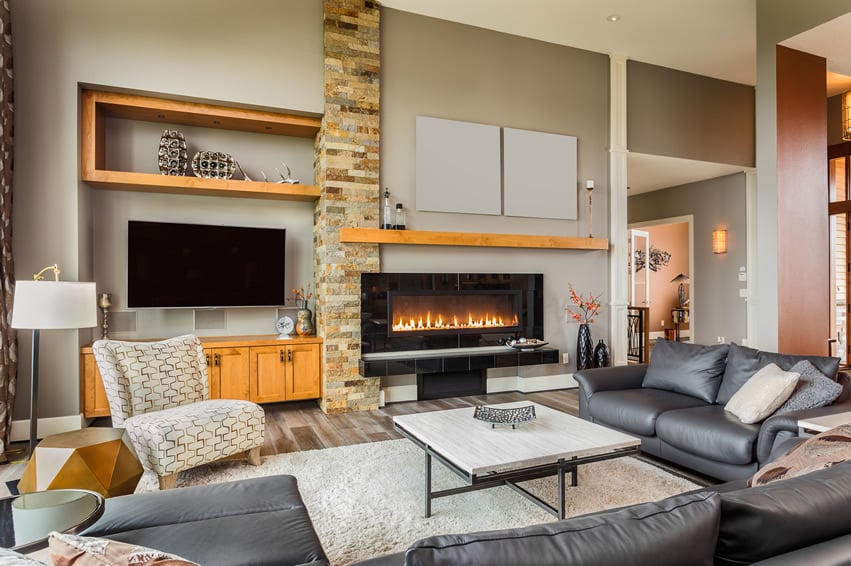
8	336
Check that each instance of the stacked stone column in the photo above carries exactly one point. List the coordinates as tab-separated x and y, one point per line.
346	169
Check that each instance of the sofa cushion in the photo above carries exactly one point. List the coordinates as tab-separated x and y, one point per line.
658	533
252	522
709	432
690	369
762	394
814	389
72	550
769	520
743	362
818	452
636	410
833	551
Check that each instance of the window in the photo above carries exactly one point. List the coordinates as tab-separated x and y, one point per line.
839	208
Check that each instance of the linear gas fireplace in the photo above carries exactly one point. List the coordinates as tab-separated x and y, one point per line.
448	328
425	311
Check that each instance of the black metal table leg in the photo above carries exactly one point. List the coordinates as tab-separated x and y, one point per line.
560	493
574	476
427	484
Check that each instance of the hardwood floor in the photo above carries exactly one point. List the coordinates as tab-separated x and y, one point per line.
295	426
291	427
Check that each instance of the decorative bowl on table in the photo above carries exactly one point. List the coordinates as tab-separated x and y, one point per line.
513	416
525	344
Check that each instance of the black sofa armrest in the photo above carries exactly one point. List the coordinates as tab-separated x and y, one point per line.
780	428
607	379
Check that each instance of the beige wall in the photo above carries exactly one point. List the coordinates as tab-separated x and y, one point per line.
681	114
264	53
482	76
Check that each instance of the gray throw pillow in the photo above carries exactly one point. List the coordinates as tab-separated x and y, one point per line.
690	369
814	389
743	362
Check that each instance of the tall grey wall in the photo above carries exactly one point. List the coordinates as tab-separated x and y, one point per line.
447	70
717	309
264	53
679	114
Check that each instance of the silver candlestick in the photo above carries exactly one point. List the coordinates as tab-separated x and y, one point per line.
104	302
589	186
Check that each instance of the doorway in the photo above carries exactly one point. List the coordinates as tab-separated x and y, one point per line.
661	264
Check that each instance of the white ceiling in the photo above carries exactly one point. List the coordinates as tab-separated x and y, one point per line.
714	38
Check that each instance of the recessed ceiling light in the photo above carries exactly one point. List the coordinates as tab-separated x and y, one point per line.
613	17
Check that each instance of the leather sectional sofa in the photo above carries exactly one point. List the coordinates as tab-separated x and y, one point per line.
801	520
681	417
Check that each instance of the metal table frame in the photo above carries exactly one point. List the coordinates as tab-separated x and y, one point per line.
512	477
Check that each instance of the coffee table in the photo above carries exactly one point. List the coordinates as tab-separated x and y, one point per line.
484	457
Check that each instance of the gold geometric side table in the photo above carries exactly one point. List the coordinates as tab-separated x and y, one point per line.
98	459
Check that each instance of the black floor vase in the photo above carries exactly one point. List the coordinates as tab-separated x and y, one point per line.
601	355
584	348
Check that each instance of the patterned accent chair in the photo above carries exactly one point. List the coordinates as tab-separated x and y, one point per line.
158	391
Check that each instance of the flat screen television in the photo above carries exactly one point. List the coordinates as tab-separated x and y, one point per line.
194	265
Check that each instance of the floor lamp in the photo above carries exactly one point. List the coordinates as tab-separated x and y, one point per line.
50	305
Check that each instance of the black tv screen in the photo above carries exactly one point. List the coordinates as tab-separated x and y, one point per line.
193	265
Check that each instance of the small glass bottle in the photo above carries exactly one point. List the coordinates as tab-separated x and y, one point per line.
400	217
387	221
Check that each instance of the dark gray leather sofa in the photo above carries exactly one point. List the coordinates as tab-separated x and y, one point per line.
679	415
803	520
255	522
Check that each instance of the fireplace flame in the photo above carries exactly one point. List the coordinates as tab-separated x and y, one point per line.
413	323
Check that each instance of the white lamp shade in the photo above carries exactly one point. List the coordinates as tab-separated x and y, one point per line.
54	305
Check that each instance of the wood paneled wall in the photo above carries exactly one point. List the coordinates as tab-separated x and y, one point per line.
803	284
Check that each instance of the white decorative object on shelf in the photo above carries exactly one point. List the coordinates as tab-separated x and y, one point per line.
285	325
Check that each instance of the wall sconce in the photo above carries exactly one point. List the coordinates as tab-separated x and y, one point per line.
846	116
719	241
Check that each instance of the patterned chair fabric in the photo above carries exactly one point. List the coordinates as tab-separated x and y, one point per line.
158	391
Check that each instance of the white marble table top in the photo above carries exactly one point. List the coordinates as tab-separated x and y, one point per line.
476	448
827	422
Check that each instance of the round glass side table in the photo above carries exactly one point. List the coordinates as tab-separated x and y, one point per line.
27	519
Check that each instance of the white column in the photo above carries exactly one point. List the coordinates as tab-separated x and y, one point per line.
618	254
751	337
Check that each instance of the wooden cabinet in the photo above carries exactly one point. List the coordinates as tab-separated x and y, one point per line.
227	370
284	373
262	369
97	106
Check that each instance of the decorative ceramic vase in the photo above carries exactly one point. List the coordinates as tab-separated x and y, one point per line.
213	165
584	348
172	153
304	324
601	355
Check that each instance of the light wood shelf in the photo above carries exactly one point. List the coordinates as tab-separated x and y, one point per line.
98	105
474	239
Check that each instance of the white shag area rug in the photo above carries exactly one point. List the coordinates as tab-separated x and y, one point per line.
366	500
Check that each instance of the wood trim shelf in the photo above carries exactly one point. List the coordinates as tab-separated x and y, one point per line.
474	239
98	105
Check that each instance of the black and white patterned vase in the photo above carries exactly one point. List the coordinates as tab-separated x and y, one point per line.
172	153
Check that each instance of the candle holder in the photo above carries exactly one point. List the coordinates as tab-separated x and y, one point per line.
104	302
589	186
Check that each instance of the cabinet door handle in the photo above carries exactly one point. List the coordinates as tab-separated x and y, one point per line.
289	355
207	357
282	355
215	359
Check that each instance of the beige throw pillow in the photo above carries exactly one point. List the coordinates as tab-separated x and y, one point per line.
762	394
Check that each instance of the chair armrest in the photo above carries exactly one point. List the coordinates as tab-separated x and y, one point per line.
606	379
782	427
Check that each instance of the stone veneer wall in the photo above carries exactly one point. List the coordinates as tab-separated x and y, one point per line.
346	169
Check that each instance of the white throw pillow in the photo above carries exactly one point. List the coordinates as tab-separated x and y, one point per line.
762	394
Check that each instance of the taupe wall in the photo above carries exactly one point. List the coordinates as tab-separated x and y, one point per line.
264	53
681	114
447	70
717	310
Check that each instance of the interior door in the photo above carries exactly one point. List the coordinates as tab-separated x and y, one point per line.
639	274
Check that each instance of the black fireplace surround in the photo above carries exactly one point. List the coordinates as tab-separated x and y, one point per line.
448	328
406	312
